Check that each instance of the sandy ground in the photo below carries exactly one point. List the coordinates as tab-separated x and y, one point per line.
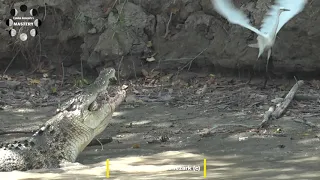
150	138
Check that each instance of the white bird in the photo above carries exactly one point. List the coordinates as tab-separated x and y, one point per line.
279	14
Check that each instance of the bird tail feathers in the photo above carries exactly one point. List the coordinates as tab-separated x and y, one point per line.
254	45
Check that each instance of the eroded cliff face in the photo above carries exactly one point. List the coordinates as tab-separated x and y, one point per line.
169	33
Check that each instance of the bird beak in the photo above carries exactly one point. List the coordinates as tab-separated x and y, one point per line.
285	9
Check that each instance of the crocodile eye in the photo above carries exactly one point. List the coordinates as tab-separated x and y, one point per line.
93	106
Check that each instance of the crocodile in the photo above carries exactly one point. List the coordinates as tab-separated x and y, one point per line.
61	139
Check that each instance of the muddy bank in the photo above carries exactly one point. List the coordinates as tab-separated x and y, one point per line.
161	34
137	125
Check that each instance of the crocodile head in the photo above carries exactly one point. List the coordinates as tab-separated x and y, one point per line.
97	108
66	134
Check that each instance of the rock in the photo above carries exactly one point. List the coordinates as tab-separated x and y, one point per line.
132	16
125	31
190	7
200	22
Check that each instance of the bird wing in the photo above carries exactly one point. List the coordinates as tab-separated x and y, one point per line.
226	9
269	23
295	7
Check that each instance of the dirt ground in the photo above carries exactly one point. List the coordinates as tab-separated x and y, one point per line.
180	122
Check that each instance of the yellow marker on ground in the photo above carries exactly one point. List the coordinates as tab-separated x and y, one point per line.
107	169
204	168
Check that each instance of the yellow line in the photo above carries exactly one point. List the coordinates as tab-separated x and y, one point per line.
204	168
107	169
